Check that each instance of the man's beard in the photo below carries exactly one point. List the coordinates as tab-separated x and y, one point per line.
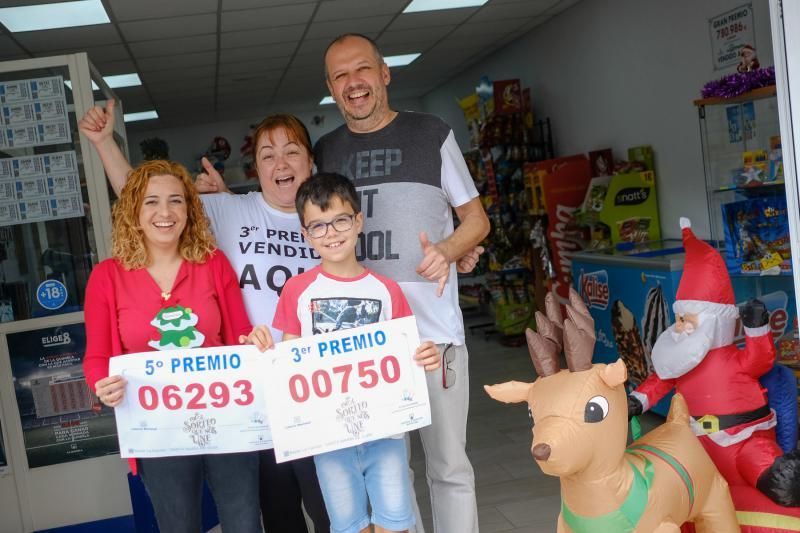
674	354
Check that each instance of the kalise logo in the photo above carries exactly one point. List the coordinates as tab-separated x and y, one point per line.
594	289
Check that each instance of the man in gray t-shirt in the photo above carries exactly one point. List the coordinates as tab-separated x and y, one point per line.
411	175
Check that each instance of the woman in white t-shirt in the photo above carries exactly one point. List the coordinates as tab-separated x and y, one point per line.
260	234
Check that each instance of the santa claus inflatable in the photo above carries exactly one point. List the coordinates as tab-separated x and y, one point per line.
696	356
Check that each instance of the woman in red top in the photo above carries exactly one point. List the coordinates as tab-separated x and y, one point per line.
164	257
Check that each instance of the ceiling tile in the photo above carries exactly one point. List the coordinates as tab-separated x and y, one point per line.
116	67
317	46
228	5
148	64
82	37
420	38
263	76
100	54
158	88
355	9
447	17
280	34
188	93
269	17
494	28
253	53
134	97
183	45
125	10
178	74
529	8
168	28
253	67
334	28
8	48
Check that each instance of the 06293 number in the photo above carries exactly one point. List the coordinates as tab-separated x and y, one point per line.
195	396
321	383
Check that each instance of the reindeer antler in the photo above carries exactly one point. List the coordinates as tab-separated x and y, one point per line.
579	337
545	344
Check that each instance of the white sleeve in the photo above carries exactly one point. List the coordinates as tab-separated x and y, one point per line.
456	180
214	206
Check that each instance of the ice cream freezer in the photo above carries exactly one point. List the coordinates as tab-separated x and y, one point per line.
630	295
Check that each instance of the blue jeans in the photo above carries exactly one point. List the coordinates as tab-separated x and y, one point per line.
175	487
373	474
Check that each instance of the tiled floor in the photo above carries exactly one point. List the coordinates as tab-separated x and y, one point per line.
513	494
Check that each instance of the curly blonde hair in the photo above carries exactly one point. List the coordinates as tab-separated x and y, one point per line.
127	238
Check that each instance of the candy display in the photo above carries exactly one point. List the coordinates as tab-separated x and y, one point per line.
757	236
580	418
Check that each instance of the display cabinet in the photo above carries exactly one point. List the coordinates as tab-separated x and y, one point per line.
747	205
54	227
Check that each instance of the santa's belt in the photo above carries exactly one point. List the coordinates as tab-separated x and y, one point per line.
714	423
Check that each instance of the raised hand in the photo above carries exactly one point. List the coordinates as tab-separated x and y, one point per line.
98	123
210	180
754	314
434	265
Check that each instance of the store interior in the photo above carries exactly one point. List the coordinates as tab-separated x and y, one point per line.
590	128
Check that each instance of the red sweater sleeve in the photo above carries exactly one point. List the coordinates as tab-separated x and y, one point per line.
99	317
234	314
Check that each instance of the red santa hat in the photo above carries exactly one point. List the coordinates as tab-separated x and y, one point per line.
705	285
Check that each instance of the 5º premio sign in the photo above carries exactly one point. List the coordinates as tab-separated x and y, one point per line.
194	401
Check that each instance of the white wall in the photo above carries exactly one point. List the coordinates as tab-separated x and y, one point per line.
619	73
187	144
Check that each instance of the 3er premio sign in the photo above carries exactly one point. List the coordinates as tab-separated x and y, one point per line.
340	389
729	32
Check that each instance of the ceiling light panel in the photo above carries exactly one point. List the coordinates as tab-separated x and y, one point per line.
435	5
142	115
400	60
52	16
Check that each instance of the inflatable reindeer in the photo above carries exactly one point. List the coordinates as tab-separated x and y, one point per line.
580	418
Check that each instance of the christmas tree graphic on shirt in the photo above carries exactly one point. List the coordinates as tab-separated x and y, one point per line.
177	327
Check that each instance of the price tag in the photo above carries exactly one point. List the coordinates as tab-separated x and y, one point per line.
190	402
340	389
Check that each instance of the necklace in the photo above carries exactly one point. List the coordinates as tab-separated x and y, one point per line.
166	295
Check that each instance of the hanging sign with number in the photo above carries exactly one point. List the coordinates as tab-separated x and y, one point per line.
190	402
340	389
730	32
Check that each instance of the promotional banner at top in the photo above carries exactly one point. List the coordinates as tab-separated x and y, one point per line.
340	389
730	32
192	401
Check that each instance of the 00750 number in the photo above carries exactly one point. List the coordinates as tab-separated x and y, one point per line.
321	382
219	396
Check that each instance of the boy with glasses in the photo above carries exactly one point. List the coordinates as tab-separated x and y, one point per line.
341	293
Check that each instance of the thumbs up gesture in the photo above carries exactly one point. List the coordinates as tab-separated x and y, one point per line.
210	180
435	265
98	123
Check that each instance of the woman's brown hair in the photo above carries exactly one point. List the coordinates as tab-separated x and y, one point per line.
127	239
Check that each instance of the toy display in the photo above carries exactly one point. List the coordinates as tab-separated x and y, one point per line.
697	356
757	236
579	418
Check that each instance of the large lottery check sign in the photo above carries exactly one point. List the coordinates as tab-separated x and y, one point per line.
188	402
341	389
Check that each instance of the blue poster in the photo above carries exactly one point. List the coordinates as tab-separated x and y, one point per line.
749	120
734	124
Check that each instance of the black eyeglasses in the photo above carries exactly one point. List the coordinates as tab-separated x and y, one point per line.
340	223
448	372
